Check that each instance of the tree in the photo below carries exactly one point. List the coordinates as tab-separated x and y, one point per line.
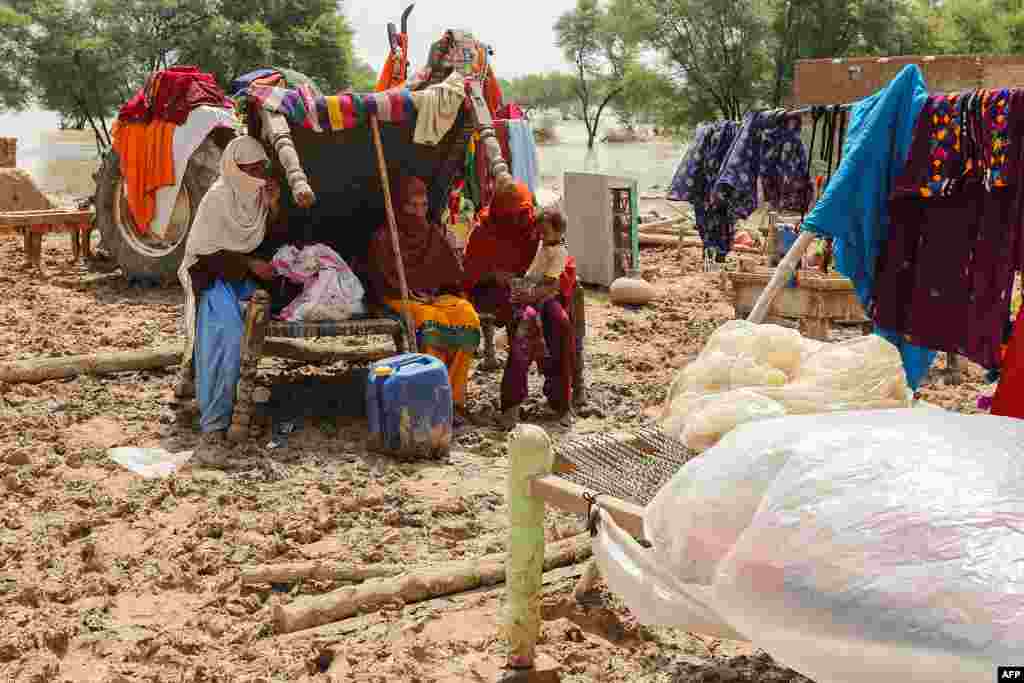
310	36
85	58
542	91
814	29
600	53
646	95
716	50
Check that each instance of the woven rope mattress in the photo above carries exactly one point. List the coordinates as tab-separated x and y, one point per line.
631	466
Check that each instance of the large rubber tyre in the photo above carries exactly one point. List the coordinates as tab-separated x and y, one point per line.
138	261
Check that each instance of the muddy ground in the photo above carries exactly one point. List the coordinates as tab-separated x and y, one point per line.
108	577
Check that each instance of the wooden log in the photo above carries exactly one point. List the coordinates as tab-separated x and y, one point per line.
658	240
278	135
671	225
317	570
781	276
45	369
416	586
325	354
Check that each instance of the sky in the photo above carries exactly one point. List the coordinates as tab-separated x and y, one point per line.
520	31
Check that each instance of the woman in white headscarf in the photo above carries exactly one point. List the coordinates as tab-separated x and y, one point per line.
218	275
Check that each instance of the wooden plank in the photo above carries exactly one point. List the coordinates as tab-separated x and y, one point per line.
567	496
27	218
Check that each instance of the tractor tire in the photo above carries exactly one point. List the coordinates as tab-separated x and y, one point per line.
144	259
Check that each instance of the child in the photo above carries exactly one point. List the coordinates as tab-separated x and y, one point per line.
542	331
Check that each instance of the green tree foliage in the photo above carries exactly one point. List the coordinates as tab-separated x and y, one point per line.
84	58
717	49
601	53
542	91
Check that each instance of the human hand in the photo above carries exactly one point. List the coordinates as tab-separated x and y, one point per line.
261	269
273	193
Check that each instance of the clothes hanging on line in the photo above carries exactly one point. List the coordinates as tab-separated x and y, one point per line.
854	209
955	240
721	171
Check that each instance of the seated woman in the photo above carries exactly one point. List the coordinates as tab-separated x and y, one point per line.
217	275
447	326
505	246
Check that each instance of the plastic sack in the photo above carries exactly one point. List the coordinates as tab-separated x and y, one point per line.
872	545
749	372
150	463
331	291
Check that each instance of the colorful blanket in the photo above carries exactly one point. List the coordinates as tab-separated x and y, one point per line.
305	107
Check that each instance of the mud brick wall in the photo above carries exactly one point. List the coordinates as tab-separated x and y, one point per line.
8	152
827	81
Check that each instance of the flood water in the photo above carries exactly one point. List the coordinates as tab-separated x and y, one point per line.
62	162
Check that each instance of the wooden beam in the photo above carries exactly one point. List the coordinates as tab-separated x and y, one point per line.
565	495
21	219
310	352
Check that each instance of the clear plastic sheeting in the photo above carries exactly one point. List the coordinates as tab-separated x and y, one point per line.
750	372
883	546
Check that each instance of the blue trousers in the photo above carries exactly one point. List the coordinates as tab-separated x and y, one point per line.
218	351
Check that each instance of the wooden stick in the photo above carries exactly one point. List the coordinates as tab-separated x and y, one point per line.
318	570
382	167
42	370
781	276
446	579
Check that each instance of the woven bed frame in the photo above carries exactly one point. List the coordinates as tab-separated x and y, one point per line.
619	471
264	337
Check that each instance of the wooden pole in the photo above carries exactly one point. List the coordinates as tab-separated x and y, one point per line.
410	327
44	369
529	456
782	273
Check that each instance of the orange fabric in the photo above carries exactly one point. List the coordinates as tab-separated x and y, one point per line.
1009	397
388	78
146	152
506	239
492	93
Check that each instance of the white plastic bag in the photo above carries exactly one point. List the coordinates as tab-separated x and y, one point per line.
885	545
749	372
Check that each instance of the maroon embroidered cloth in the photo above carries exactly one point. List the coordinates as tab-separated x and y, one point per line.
172	94
945	274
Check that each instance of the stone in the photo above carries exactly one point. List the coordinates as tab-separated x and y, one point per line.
19	457
631	291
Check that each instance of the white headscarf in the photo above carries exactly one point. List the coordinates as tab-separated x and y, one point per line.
231	217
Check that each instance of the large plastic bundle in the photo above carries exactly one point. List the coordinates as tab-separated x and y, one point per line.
749	372
876	545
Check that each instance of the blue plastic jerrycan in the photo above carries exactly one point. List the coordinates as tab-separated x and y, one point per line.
409	406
